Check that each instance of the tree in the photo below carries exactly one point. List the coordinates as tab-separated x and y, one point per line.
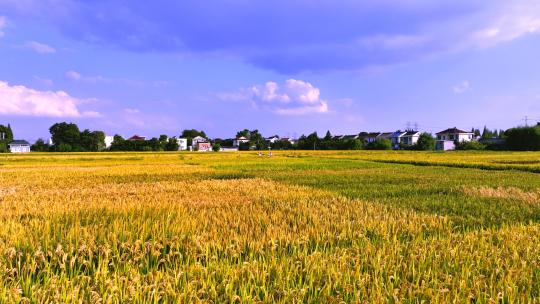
172	144
6	134
66	134
92	141
425	142
216	147
487	133
40	146
257	140
244	133
328	135
380	144
523	138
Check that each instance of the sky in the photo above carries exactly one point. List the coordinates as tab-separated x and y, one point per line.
285	67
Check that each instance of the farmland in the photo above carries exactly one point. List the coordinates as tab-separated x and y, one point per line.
296	227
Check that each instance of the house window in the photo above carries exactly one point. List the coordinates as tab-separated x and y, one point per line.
451	137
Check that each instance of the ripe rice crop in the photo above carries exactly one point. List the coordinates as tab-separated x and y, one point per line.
296	227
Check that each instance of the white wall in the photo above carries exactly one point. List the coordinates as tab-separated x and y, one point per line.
182	144
19	149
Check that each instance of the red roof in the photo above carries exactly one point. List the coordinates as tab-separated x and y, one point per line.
137	137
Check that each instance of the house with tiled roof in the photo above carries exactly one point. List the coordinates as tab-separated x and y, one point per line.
19	146
447	139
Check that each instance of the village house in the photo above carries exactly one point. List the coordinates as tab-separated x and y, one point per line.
272	139
369	137
137	138
239	140
203	147
182	144
19	146
292	141
407	138
447	139
349	137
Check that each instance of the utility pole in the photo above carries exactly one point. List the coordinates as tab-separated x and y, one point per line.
526	121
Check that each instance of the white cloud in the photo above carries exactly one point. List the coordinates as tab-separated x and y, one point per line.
3	22
76	76
131	111
46	81
294	97
40	48
461	87
20	100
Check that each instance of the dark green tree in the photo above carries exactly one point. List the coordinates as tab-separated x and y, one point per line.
40	146
66	134
523	138
172	144
426	142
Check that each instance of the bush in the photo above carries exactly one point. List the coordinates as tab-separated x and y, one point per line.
380	144
63	148
470	145
216	147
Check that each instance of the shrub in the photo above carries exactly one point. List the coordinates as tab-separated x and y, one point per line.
470	145
380	144
216	147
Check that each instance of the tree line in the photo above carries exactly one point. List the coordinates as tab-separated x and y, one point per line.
67	137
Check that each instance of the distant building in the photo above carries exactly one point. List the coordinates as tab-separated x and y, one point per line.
273	139
182	144
137	138
19	146
203	147
348	137
447	139
395	138
408	138
369	137
240	140
292	141
108	141
455	134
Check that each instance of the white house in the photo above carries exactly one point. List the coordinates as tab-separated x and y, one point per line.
273	139
410	138
396	138
182	144
404	138
455	134
239	140
19	146
108	141
446	139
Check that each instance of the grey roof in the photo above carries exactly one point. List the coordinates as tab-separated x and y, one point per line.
411	133
19	142
453	130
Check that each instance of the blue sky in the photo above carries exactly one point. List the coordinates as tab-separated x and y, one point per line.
283	67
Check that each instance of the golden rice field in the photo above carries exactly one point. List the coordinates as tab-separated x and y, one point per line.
310	227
